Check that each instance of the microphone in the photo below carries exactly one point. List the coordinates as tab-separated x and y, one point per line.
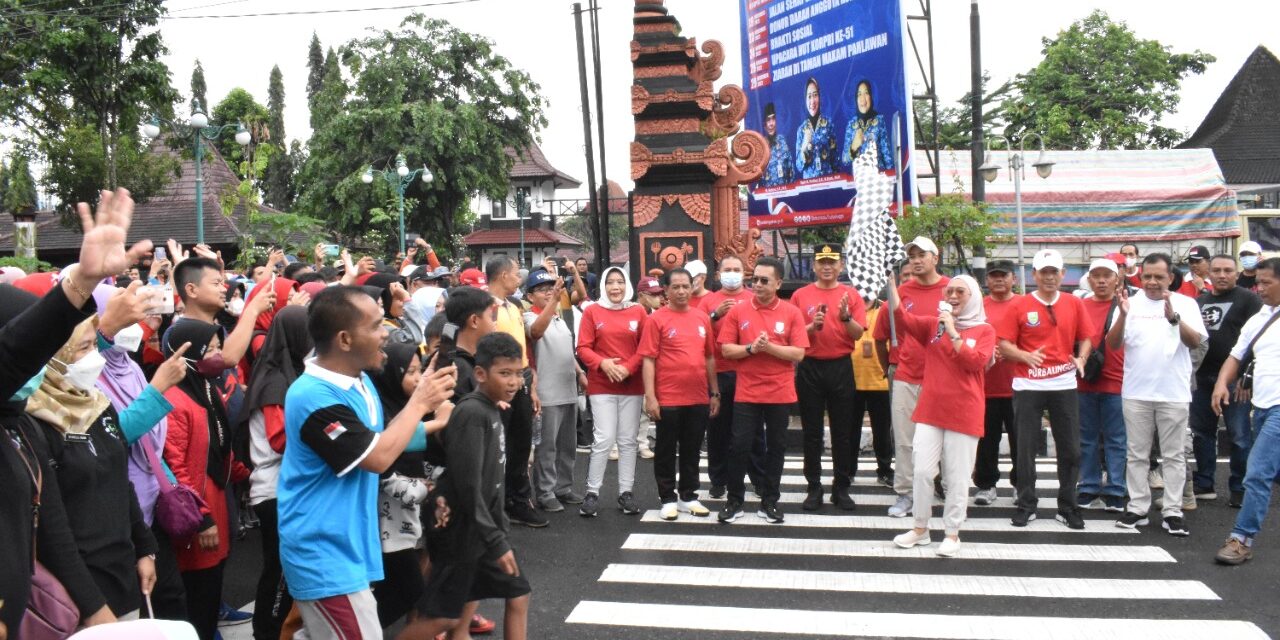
943	306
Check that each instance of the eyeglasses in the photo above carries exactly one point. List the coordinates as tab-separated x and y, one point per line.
759	280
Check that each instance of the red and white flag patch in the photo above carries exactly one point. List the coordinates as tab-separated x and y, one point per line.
334	430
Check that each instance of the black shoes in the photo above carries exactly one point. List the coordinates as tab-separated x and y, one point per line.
627	503
590	506
1071	518
1175	527
1236	499
1022	516
841	499
732	510
717	491
1131	520
769	511
521	512
813	501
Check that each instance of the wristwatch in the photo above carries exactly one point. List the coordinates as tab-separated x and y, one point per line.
1175	319
748	349
715	394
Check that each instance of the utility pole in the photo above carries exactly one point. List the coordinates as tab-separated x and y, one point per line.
596	234
603	196
978	185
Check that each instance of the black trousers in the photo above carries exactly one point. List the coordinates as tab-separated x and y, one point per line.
1064	420
749	419
998	421
720	434
169	596
272	602
401	586
204	597
680	431
826	386
518	424
876	404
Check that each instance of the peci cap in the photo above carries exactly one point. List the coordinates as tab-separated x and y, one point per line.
826	252
696	268
1046	258
1104	263
924	244
650	285
1251	247
1001	266
1198	252
473	278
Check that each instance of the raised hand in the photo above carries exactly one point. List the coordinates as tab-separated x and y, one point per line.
102	251
125	307
171	371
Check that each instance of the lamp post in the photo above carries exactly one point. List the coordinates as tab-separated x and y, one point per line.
198	129
400	178
989	171
524	205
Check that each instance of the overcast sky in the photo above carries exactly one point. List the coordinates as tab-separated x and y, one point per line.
538	35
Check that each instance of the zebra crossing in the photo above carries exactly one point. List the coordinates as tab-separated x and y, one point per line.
838	574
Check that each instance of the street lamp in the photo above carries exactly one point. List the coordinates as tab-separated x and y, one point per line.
198	129
989	170
523	206
400	178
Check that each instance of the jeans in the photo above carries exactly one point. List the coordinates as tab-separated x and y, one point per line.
876	404
1064	421
748	420
1204	437
617	420
554	454
720	434
1102	443
680	432
997	421
825	387
1264	464
1144	420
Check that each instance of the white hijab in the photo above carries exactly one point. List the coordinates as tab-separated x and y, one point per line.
627	294
972	314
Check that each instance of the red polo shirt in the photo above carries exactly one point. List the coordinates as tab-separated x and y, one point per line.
999	379
1031	326
711	302
607	333
833	340
680	343
763	378
1113	367
921	300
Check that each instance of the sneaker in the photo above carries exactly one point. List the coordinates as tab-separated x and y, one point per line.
949	548
1175	527
569	498
1087	500
937	489
732	510
613	453
1234	552
1202	493
228	616
481	625
1021	517
1236	499
584	448
551	505
912	539
1131	520
985	497
669	511
1154	479
1113	504
769	511
590	506
1188	499
627	503
885	479
717	491
901	507
842	500
521	512
812	501
646	452
1071	518
693	508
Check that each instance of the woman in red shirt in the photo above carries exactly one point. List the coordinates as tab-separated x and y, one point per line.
609	346
949	416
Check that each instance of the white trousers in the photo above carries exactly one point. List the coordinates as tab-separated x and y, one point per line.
955	451
617	420
903	401
1143	420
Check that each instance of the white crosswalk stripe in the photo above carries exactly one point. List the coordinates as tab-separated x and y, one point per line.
870	481
869	465
810	520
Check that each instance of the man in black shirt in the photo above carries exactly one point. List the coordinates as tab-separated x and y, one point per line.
471	311
1225	310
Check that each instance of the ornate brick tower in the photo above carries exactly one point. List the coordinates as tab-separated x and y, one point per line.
686	169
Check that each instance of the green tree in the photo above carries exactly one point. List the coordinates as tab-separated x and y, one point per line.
952	221
1100	86
19	187
277	185
435	93
315	72
239	107
199	99
955	123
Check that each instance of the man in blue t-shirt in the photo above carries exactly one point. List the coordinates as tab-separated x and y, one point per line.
338	445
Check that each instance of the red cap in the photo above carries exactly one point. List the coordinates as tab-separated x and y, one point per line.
473	278
649	285
1118	258
313	289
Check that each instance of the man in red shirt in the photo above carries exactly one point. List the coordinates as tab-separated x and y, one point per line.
767	337
835	317
717	305
1102	430
680	392
1047	336
1132	267
1196	281
920	296
697	269
1001	279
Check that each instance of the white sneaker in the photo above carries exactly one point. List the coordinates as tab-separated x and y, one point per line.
985	497
901	508
645	452
671	512
692	507
949	547
613	453
912	539
1154	479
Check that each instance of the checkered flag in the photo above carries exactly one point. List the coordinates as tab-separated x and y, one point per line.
874	245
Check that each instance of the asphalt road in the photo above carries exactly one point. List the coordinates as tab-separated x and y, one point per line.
836	574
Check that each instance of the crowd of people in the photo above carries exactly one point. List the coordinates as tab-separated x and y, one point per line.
387	424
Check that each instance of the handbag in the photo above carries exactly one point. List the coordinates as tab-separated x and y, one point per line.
1098	357
1246	368
179	510
50	612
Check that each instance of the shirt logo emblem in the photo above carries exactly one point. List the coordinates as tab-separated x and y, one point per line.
744	325
702	332
779	327
633	325
334	430
1033	318
671	333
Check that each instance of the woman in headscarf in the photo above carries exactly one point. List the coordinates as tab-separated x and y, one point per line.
279	363
391	295
198	450
949	416
422	306
608	344
284	289
88	441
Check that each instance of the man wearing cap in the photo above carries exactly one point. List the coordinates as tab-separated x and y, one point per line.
1250	254
1224	310
835	317
779	171
1102	431
998	388
697	269
1197	280
1158	330
474	278
1047	337
920	296
424	276
649	293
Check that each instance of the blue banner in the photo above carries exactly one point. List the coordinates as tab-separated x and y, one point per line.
827	86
